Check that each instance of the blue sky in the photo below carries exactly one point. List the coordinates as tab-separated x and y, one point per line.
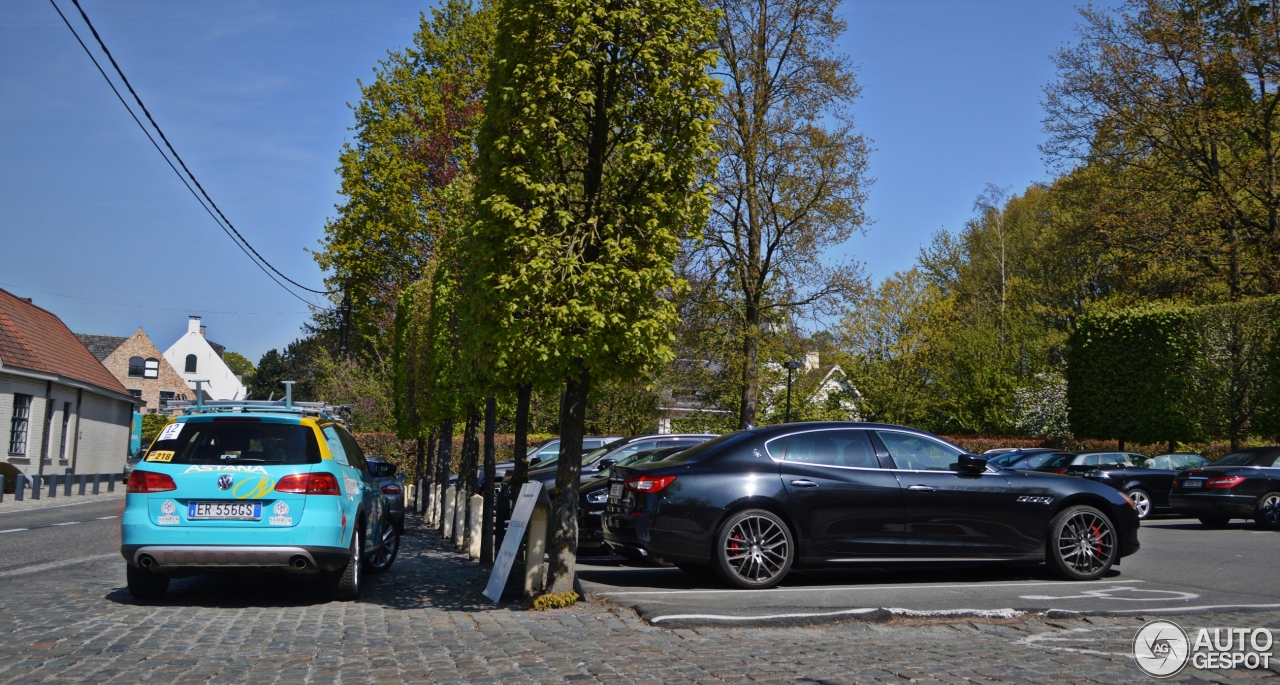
254	97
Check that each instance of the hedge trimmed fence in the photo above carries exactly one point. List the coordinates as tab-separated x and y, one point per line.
1185	374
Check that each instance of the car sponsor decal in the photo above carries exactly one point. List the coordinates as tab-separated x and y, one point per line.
216	468
281	518
168	513
171	432
352	486
251	488
161	455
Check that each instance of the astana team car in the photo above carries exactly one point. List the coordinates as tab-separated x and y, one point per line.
235	486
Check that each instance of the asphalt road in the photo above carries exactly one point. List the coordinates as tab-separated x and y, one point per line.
38	540
1182	567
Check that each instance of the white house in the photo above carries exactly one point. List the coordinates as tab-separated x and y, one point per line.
195	358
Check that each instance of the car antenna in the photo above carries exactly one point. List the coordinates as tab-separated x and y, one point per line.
288	393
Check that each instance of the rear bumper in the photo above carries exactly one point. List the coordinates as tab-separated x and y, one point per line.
1203	503
170	558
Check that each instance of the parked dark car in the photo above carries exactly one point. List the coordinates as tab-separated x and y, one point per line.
594	494
602	458
1134	475
392	486
540	455
1018	458
751	504
1244	484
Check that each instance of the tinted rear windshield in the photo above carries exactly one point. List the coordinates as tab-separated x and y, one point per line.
1246	459
695	452
236	442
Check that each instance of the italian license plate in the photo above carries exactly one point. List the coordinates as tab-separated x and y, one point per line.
615	491
224	511
1192	484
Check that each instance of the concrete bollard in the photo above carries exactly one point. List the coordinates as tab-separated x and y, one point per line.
1	488
447	520
459	520
53	485
474	530
95	483
66	484
35	486
437	505
111	482
82	483
19	487
535	550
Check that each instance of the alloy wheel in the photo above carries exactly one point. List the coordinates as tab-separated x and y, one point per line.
1141	502
385	553
1086	542
1269	510
757	549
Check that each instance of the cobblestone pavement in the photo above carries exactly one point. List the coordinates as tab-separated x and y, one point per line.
427	622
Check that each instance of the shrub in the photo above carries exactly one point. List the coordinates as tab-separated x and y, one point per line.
556	601
10	473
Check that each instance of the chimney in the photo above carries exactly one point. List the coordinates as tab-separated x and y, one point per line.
193	324
202	328
811	361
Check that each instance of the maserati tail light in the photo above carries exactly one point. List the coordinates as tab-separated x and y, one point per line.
649	483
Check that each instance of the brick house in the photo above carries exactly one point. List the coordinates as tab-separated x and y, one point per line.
59	406
137	363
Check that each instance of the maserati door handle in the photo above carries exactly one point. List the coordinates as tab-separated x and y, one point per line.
921	488
804	484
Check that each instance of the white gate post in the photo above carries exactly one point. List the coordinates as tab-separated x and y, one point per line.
474	527
449	495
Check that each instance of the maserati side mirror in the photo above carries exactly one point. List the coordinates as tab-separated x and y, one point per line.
605	463
972	463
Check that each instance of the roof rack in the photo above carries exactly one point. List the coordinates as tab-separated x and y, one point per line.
284	406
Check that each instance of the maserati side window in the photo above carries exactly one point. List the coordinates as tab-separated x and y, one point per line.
829	448
918	454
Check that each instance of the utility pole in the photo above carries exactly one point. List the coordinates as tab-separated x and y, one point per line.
791	367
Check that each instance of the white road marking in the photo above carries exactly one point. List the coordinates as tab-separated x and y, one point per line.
1105	593
984	613
67	523
1170	610
106	518
13	530
820	588
55	564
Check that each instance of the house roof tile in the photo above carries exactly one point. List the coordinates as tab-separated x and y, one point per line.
101	345
37	340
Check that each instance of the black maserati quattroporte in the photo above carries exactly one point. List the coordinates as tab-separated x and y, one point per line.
751	504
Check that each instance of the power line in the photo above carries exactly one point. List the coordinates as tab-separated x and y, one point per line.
138	306
166	157
237	238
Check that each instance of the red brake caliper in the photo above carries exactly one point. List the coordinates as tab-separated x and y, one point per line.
1097	538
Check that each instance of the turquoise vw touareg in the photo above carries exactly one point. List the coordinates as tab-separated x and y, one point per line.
255	485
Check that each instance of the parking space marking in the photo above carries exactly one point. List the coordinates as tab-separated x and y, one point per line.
12	530
106	518
1172	610
983	613
67	523
1105	593
818	588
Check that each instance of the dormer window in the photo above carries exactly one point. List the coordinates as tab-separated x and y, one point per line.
136	367
191	364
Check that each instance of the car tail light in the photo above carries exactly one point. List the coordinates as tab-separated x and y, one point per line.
392	489
150	481
1224	482
649	483
1061	471
309	484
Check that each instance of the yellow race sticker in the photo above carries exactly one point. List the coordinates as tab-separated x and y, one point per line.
160	455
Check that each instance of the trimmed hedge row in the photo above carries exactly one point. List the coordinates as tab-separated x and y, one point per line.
1185	374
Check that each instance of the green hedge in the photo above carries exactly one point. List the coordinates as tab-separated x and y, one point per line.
1186	374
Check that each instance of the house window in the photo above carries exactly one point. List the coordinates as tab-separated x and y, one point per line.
151	368
66	420
191	364
166	396
137	394
135	367
18	425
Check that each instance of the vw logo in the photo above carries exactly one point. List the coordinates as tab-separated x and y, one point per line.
224	482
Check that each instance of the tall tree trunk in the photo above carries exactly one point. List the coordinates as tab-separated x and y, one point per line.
750	367
428	486
421	450
521	474
563	547
444	458
490	478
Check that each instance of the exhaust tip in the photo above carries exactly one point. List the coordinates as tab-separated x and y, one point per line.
298	561
146	561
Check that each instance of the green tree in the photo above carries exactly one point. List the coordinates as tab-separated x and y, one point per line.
595	135
414	132
239	365
1175	104
792	177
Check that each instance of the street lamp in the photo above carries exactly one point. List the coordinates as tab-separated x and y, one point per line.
791	367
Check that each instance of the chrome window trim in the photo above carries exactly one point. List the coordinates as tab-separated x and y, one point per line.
829	466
